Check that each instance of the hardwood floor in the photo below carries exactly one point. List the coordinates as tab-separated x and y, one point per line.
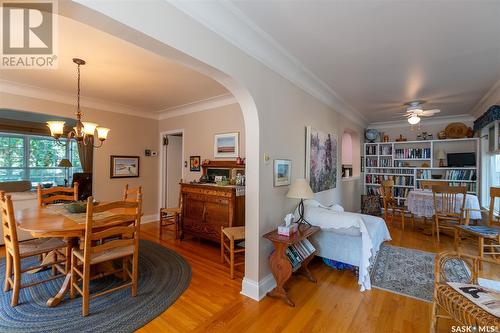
212	302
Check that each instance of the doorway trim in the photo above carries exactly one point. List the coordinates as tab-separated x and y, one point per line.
162	169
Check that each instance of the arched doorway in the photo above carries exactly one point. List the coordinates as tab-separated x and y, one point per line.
241	94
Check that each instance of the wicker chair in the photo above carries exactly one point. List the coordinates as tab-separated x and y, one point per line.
456	306
390	204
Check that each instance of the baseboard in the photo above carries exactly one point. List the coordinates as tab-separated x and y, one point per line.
150	218
257	290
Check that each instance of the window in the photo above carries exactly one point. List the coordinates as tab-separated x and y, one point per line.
36	158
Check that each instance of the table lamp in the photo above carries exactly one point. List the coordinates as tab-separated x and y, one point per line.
65	163
300	189
441	157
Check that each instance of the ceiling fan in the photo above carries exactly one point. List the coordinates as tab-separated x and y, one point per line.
415	110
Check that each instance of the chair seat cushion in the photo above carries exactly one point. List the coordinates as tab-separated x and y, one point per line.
457	305
107	255
40	246
488	232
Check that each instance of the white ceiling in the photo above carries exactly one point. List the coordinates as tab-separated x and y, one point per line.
117	73
376	55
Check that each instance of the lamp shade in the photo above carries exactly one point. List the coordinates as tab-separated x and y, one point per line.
441	155
300	189
65	163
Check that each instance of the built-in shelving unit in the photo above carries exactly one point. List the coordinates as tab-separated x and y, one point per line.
409	162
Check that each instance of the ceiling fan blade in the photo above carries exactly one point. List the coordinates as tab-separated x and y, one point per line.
427	113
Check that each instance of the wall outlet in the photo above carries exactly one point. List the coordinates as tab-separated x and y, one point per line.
154	153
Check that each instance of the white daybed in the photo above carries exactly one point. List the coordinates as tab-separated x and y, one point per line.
345	237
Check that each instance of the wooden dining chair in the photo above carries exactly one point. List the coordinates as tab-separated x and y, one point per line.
55	194
131	194
488	236
172	217
391	206
15	252
449	204
428	184
229	249
121	231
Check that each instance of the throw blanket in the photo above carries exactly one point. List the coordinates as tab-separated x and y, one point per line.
332	218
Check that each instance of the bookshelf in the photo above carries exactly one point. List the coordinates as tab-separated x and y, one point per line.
409	162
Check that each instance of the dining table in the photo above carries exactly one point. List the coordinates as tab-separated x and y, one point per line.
56	221
421	204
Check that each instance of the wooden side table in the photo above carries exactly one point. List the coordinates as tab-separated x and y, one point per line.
281	266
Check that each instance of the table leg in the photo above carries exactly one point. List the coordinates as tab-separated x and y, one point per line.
54	301
47	260
304	269
282	270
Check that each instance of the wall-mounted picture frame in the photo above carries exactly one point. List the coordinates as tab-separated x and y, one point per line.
124	166
321	159
226	145
195	163
282	173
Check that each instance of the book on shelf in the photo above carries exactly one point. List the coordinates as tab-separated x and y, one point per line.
298	252
412	153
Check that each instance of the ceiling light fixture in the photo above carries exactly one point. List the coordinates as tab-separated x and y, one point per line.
83	131
414	119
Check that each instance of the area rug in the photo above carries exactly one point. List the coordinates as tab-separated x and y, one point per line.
163	277
410	272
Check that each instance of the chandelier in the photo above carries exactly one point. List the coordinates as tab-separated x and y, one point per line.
83	131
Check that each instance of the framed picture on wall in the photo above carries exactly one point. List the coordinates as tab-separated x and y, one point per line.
321	159
226	145
194	163
124	166
282	173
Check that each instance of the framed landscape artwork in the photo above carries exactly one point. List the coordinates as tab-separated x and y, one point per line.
321	159
124	166
194	163
226	145
282	172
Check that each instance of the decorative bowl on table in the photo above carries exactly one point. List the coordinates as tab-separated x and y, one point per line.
76	207
223	183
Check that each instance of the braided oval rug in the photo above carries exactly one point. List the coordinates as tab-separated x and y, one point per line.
163	277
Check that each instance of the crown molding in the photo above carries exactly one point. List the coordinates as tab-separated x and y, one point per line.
428	121
490	98
226	20
15	88
198	106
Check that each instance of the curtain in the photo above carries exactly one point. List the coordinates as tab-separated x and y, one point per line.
86	154
492	114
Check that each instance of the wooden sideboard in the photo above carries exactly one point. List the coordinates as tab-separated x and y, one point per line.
206	208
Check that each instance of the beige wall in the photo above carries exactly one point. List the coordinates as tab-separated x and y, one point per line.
199	129
129	135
